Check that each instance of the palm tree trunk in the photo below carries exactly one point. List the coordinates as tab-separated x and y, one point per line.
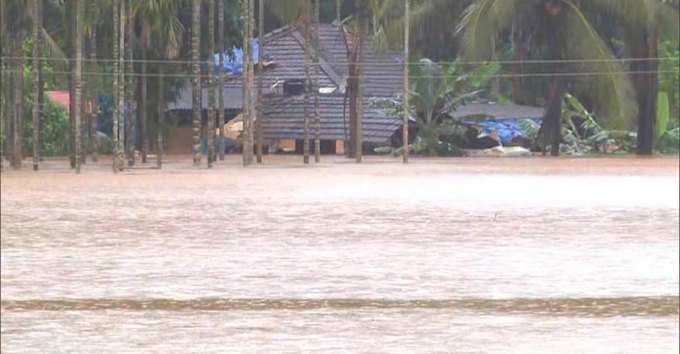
210	130
116	83
550	132
260	78
70	34
3	88
363	28
248	83
221	117
645	46
120	153
407	36
78	80
308	80
94	115
338	9
161	117
246	101
251	81
84	114
196	75
352	94
37	64
17	124
129	87
142	102
315	59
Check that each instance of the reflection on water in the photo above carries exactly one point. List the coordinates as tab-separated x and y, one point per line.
419	258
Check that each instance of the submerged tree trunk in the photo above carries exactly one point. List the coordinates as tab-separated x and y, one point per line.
363	29
315	60
130	97
210	129
161	117
308	81
78	81
406	107
221	118
17	123
3	87
244	76
37	66
645	47
92	92
251	82
550	132
352	94
70	34
196	76
260	78
116	83
247	136
142	102
119	86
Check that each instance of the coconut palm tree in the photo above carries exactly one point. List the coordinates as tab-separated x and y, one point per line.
644	21
562	29
161	26
196	79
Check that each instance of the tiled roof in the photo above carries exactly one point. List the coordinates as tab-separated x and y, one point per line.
285	48
383	71
283	118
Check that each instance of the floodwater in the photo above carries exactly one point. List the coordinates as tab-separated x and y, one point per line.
458	255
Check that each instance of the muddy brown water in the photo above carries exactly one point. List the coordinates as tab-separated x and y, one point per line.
460	255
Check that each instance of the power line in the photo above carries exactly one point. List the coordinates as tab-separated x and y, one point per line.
374	62
500	76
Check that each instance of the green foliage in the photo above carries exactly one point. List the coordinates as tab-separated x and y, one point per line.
669	142
436	91
662	113
55	129
669	78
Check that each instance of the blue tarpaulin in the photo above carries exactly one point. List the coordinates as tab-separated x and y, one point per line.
507	129
233	63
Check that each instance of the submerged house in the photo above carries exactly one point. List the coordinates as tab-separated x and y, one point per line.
283	106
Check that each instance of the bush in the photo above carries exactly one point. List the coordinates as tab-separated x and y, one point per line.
55	129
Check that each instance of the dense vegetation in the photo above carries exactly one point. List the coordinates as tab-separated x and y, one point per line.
617	58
